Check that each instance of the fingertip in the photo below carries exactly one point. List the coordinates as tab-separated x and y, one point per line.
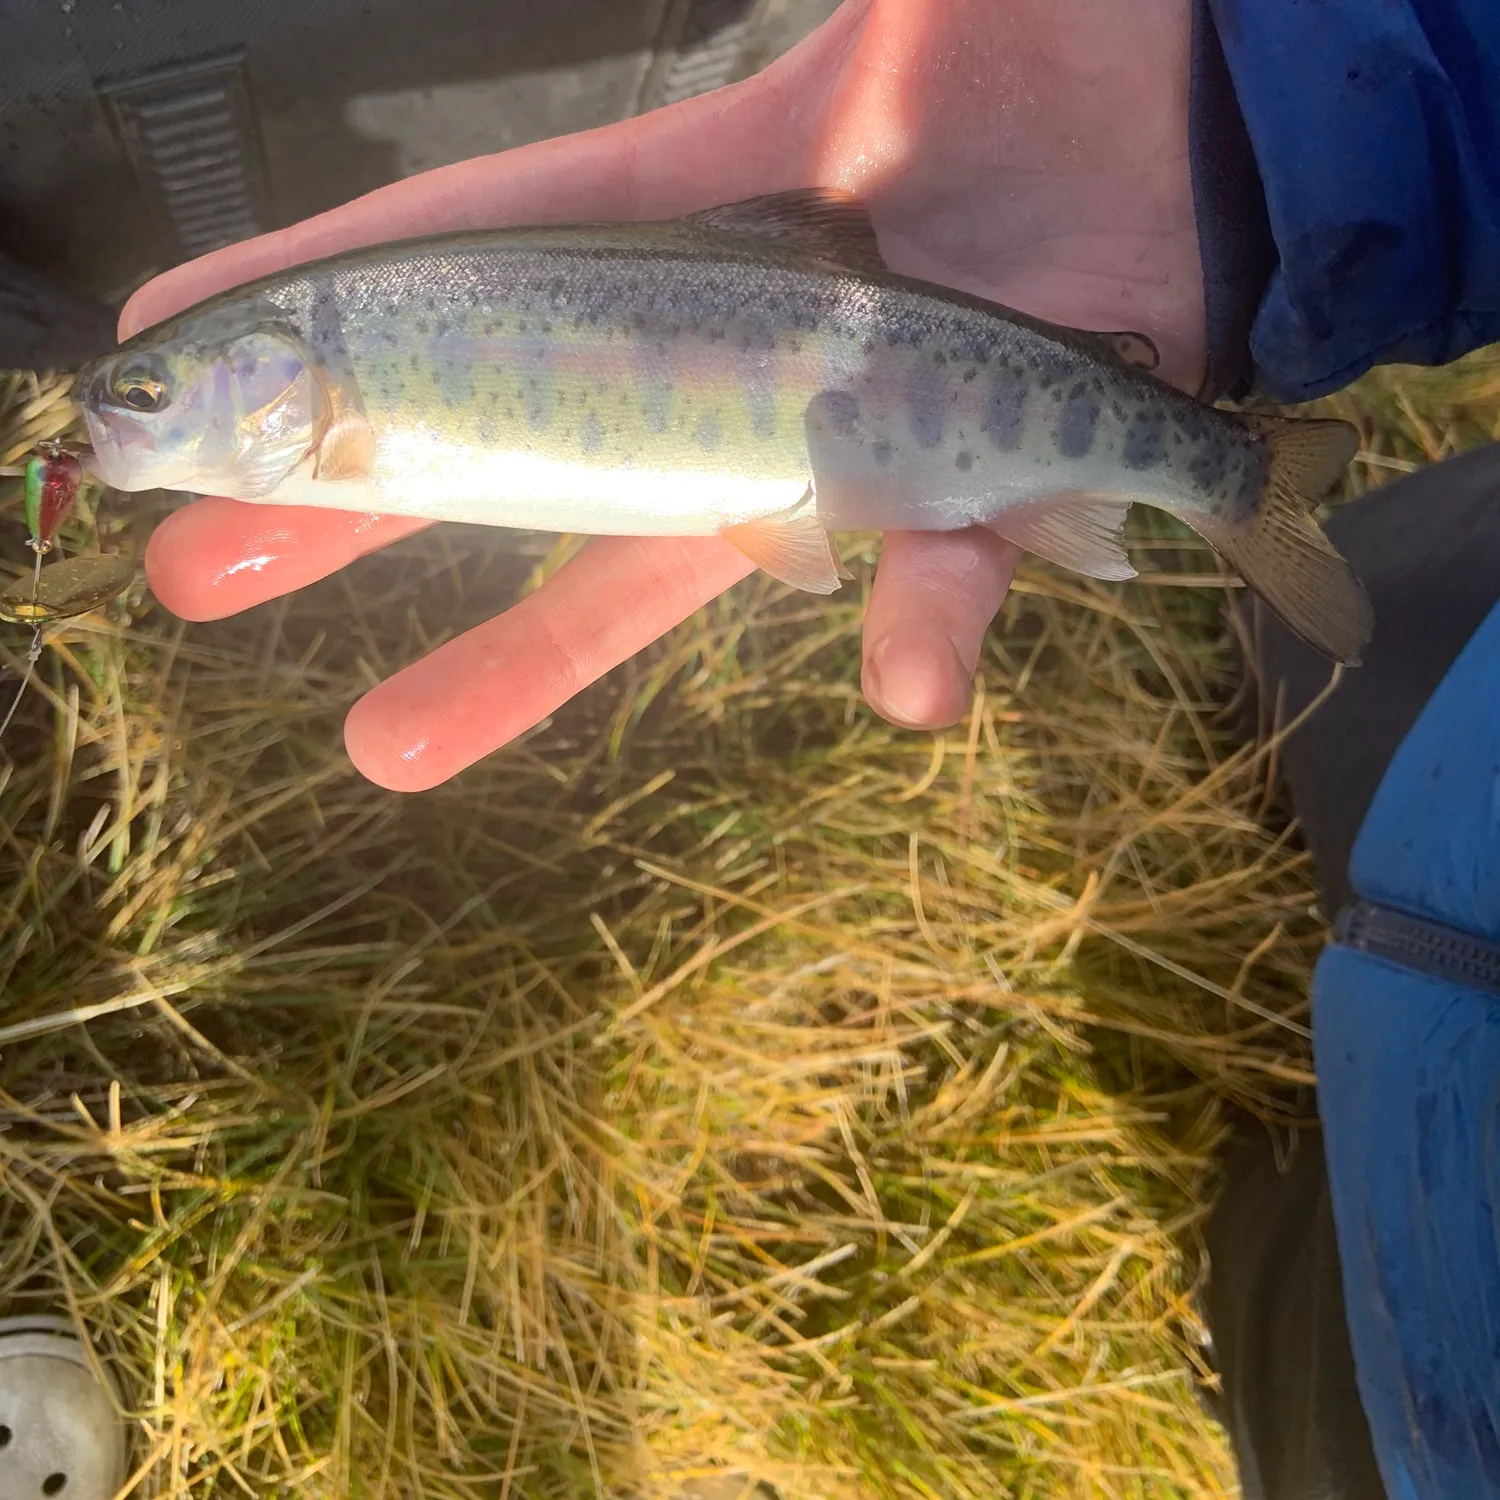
389	750
216	557
917	680
934	597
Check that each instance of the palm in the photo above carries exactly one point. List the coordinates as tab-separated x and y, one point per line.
1031	152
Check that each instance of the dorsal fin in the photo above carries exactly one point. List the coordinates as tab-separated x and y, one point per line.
826	222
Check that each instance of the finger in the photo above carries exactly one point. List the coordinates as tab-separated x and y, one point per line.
934	597
481	690
216	557
731	143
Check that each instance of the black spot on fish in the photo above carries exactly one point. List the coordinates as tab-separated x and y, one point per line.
1145	444
760	405
708	432
1077	422
1055	392
1208	467
1004	420
839	411
656	407
1098	385
1256	469
925	399
1052	366
882	452
715	334
1117	411
969	375
964	462
523	326
939	358
536	402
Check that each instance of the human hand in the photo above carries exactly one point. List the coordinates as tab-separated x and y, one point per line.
1030	152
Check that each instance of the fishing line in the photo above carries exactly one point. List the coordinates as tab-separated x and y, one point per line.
53	479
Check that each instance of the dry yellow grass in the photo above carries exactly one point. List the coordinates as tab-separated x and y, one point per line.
721	1082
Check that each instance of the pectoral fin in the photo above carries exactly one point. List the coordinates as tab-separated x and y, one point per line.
347	450
793	548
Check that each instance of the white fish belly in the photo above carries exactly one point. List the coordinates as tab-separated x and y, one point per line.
536	492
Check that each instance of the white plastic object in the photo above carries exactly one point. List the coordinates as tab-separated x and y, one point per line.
61	1436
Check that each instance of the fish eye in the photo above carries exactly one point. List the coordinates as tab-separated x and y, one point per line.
139	389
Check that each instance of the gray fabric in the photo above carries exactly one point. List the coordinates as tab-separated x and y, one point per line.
1428	549
47	327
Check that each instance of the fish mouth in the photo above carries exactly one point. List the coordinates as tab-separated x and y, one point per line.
119	455
112	469
86	456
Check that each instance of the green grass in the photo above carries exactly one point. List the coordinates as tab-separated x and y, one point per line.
719	1082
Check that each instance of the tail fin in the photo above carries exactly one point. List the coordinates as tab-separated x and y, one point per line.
1282	552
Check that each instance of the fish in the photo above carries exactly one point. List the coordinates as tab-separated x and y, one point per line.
754	370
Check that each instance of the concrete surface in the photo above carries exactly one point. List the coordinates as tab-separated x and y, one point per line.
137	134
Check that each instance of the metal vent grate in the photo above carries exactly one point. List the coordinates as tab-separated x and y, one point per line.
190	132
701	47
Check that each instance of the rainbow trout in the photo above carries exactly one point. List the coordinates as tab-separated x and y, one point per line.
754	371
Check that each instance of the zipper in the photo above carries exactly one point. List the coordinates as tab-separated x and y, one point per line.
1418	943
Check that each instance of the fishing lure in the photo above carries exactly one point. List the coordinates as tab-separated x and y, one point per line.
52	479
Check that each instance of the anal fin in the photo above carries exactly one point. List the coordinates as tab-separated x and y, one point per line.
793	548
1077	530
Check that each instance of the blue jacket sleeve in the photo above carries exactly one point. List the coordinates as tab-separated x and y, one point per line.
1408	1056
1368	229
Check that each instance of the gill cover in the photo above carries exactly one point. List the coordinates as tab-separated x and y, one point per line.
278	411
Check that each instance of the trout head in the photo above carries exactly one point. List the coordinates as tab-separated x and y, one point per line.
232	414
